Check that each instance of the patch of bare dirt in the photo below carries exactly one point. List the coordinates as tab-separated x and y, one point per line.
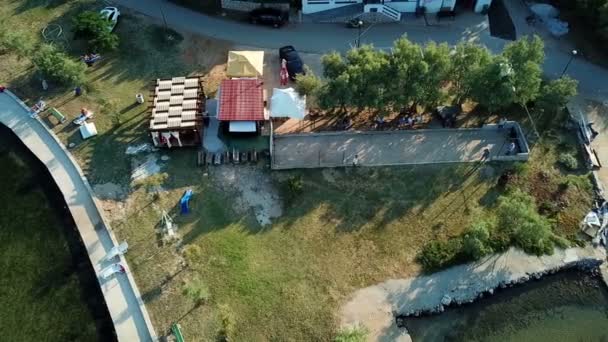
255	190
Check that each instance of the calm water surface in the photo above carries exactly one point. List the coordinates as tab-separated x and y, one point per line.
569	306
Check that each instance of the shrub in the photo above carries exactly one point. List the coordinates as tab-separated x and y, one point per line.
569	161
525	227
556	94
197	291
295	184
57	66
18	42
439	254
227	323
94	28
353	334
475	242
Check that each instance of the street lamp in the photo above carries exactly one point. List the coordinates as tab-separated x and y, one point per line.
360	25
574	53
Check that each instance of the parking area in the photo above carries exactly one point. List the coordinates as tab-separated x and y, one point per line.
426	146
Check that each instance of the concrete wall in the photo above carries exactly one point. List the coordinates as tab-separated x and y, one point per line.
247	6
313	6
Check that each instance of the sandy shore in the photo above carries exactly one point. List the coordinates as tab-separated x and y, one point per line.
375	307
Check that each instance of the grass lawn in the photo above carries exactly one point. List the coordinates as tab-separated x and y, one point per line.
42	297
345	230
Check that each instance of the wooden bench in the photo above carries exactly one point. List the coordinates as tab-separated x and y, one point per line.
57	114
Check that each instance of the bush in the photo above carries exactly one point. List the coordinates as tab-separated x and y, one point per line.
439	254
18	42
197	291
57	66
227	323
475	242
526	228
295	184
94	28
569	161
192	255
354	334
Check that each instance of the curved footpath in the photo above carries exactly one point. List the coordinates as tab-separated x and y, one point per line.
375	307
129	315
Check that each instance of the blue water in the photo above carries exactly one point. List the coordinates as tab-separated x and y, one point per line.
570	306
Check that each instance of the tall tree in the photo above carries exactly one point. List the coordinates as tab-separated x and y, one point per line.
556	94
491	85
467	59
438	65
367	69
406	69
333	65
525	56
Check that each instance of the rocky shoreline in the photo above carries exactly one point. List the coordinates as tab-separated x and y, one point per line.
377	307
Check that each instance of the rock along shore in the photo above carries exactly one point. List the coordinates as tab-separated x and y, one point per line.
376	307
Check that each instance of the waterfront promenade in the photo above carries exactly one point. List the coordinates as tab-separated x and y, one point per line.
129	315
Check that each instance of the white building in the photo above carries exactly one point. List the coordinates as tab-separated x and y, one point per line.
391	7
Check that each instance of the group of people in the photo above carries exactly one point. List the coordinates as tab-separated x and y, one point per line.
90	58
404	122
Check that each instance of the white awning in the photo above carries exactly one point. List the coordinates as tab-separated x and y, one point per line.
88	130
287	103
242	126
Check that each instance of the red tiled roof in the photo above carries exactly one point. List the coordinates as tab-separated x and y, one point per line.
241	100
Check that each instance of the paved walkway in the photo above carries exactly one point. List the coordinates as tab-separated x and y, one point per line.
129	315
386	148
375	306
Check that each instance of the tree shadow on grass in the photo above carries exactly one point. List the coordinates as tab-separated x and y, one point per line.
357	197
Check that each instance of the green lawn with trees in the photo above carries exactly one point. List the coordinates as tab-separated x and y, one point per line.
230	279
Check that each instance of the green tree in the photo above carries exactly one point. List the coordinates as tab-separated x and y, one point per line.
95	29
353	334
555	94
467	59
336	92
525	56
519	219
197	291
476	240
491	86
333	65
367	72
308	84
57	66
406	69
438	65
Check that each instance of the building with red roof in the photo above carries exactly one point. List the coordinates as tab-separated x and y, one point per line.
241	104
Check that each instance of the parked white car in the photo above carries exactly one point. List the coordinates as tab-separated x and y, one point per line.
111	14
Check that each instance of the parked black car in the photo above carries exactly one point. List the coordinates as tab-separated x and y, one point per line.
268	16
294	62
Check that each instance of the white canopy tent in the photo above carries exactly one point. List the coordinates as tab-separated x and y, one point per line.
287	103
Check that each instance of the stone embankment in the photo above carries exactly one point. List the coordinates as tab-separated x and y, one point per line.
376	307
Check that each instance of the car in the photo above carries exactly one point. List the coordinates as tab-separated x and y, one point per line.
111	14
294	62
268	16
